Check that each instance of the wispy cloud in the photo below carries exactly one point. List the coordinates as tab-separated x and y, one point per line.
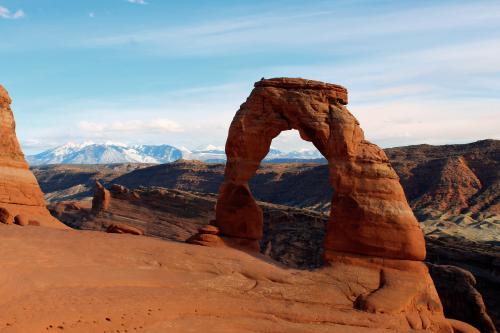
288	30
5	13
138	2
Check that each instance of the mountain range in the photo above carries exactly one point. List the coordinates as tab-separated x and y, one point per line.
109	153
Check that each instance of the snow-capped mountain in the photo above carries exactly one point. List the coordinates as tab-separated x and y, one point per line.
107	153
208	153
213	153
302	154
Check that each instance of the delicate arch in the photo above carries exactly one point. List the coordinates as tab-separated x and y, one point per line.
369	215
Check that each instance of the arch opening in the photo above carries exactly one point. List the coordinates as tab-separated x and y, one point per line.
293	236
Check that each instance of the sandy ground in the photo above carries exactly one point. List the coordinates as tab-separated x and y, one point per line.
85	281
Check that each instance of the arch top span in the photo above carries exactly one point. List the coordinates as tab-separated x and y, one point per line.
297	83
370	214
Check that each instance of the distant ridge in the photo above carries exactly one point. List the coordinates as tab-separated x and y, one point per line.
109	153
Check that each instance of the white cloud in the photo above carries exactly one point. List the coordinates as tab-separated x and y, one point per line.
5	13
138	2
131	126
91	14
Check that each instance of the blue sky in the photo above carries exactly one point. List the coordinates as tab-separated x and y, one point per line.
175	72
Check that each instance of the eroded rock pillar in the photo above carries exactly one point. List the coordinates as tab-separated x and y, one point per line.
20	194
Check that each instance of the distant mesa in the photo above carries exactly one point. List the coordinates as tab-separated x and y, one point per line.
21	200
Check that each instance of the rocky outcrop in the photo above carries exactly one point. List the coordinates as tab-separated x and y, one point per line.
370	214
206	236
101	199
461	300
19	191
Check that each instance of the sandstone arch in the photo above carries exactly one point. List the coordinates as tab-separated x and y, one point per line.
370	214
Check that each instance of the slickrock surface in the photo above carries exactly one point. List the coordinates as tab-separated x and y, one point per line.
19	191
370	214
81	283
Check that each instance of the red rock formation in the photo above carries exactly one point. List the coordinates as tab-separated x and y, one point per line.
206	236
19	190
371	228
120	228
101	199
370	214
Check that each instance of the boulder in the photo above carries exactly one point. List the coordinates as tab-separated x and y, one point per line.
5	216
209	229
21	220
207	236
120	228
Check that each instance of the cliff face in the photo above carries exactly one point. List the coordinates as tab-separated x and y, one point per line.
450	179
21	200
